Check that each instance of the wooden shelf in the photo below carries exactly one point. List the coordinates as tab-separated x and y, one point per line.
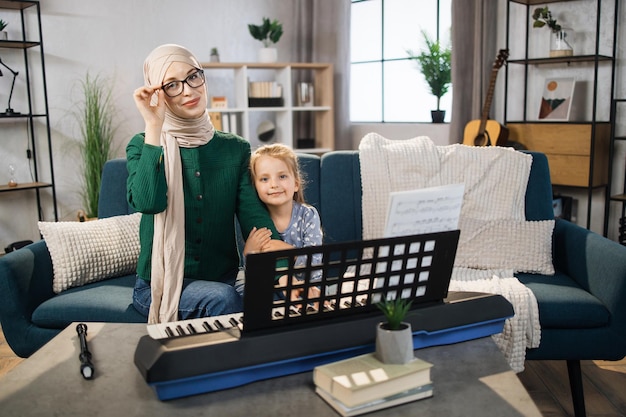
568	147
25	186
16	5
561	60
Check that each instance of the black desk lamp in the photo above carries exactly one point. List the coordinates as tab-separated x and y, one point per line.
9	110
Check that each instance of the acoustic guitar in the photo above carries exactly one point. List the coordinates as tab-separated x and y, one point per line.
484	132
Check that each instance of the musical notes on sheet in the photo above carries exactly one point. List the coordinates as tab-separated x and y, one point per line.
427	210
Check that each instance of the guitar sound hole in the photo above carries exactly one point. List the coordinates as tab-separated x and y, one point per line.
482	140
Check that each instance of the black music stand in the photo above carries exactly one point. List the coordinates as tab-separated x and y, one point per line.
352	278
9	111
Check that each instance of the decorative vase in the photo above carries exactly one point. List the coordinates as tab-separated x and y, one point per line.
438	115
268	55
215	58
559	43
394	346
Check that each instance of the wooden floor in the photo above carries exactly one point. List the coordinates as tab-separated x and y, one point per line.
546	381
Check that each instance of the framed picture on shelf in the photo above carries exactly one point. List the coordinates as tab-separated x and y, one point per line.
556	99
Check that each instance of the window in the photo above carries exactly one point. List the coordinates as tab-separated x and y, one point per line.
385	84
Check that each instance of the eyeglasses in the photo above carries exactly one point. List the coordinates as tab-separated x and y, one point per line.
175	88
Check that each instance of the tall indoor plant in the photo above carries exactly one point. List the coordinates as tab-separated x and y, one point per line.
436	65
96	125
268	32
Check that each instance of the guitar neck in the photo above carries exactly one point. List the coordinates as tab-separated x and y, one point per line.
485	113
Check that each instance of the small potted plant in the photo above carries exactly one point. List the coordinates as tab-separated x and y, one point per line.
269	32
559	46
3	33
394	337
215	55
436	65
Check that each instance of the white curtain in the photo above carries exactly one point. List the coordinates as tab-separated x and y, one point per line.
324	36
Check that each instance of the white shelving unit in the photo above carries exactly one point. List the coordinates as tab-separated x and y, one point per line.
286	74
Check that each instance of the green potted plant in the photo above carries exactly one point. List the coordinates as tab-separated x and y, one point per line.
268	32
436	65
559	45
3	33
215	55
394	337
97	131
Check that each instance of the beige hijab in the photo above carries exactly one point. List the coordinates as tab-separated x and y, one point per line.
168	247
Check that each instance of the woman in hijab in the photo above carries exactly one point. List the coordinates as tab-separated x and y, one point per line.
189	181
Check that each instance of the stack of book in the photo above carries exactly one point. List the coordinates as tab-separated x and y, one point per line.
265	94
364	384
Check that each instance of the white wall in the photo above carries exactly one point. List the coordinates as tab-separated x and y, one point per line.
110	39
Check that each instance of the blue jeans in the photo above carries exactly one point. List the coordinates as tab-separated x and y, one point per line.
199	298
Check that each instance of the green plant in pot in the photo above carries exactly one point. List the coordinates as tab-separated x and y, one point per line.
3	25
97	131
394	337
559	45
268	32
435	63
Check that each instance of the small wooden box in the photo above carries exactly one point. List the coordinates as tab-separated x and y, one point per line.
568	148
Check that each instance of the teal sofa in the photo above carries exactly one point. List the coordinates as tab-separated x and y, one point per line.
581	308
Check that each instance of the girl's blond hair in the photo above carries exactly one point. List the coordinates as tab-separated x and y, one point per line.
289	157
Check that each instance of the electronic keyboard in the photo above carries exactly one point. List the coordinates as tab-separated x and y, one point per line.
195	356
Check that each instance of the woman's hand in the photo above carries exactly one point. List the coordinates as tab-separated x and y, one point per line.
153	115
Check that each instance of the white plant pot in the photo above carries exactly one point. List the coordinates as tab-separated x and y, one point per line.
394	346
268	55
3	36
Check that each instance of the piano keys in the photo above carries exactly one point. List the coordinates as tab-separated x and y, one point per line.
195	326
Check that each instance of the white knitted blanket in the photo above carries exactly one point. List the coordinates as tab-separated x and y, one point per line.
495	181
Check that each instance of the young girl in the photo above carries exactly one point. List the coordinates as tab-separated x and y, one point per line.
278	182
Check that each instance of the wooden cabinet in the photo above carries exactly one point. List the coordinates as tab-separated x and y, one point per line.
32	113
578	148
570	148
232	80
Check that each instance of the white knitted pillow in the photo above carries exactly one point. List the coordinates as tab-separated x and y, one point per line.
524	246
86	252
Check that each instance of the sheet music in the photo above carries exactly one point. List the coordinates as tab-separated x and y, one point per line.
426	210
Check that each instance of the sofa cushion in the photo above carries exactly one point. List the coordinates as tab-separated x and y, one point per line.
563	304
524	246
91	251
104	301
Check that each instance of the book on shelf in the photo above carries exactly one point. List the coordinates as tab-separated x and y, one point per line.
265	89
364	378
234	128
413	394
219	102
